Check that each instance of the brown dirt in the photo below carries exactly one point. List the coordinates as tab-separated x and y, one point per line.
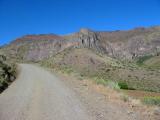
108	104
140	94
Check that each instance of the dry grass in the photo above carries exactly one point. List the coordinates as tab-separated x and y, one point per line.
86	63
152	63
151	100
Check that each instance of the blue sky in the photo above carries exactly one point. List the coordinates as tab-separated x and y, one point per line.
21	17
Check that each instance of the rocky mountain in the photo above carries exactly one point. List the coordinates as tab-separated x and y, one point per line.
131	57
124	45
37	47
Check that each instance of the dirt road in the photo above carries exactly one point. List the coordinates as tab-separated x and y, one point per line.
39	95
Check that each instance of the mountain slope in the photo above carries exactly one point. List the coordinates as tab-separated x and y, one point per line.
153	62
36	47
87	63
124	45
109	55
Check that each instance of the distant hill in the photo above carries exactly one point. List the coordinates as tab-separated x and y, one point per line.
124	45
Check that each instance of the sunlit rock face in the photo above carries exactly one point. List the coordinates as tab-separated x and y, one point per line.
122	44
125	45
37	47
88	38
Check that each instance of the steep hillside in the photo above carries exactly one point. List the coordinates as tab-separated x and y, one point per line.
124	45
86	63
153	62
36	47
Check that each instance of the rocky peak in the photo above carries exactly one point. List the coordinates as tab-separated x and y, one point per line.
85	31
88	38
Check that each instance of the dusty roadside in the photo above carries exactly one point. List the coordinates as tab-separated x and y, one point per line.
108	104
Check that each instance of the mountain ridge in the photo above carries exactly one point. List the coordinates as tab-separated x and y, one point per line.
124	45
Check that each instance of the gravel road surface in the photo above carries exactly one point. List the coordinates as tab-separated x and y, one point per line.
39	95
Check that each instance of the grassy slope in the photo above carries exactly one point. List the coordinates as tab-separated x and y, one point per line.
153	62
87	63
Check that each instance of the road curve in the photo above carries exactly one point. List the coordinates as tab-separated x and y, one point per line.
39	95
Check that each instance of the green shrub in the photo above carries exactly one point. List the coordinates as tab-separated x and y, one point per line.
113	85
151	100
109	83
142	59
100	81
67	69
123	85
7	73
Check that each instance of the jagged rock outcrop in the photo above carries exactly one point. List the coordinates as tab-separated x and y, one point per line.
122	44
88	38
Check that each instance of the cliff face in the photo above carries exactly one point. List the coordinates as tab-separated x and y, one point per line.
122	44
131	44
118	44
